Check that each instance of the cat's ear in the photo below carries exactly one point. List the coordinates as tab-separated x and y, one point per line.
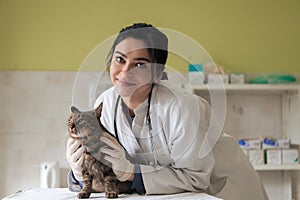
74	109
99	110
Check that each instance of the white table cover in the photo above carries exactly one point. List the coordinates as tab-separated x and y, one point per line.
65	194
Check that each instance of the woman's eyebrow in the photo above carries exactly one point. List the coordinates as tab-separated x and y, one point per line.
138	59
143	59
122	54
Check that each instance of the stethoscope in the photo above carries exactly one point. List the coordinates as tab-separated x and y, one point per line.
148	122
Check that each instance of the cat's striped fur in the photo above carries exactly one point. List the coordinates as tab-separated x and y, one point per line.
97	175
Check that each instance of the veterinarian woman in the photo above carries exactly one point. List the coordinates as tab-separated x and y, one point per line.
163	130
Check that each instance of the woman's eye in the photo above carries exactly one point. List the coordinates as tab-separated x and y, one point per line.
120	59
141	65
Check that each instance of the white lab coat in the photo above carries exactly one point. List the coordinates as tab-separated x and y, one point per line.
180	122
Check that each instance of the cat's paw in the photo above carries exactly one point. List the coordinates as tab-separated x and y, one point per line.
83	195
111	195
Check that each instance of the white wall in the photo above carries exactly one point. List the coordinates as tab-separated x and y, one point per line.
34	107
34	110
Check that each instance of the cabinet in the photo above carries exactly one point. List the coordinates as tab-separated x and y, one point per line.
256	110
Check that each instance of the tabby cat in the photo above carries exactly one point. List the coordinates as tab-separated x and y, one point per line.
97	176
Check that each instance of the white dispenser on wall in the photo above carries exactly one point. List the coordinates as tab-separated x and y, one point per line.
49	174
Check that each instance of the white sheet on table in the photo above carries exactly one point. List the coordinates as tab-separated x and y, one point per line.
65	194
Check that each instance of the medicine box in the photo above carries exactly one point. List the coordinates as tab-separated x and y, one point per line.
218	78
273	144
273	156
237	78
196	74
290	156
256	156
250	143
284	143
269	144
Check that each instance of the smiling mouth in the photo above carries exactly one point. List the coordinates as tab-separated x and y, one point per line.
125	83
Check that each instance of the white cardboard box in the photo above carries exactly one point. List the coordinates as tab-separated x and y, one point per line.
273	144
196	77
256	156
250	143
237	78
290	156
217	78
284	143
273	156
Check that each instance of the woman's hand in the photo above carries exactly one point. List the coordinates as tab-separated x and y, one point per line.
75	157
115	154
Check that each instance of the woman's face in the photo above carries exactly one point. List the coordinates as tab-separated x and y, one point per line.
130	69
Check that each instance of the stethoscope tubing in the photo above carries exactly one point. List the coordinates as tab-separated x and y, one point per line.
148	121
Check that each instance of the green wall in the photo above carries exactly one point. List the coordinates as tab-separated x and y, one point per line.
258	36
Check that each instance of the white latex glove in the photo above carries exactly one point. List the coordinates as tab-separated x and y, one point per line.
115	154
75	157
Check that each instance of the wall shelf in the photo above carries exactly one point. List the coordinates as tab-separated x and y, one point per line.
249	88
257	109
276	167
